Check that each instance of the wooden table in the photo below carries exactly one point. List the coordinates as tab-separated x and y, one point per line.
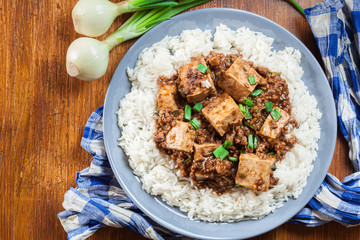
44	112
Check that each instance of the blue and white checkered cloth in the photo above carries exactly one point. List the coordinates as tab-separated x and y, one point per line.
98	199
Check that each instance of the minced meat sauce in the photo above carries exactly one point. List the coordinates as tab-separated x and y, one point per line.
214	151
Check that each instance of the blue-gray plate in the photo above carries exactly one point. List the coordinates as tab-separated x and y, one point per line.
171	217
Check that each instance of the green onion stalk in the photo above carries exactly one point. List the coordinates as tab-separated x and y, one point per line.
297	6
88	58
93	18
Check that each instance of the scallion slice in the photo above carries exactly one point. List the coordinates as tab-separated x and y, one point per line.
252	80
195	123
273	168
256	93
187	114
276	115
250	141
271	153
245	111
249	102
269	106
227	144
198	107
202	68
220	152
256	143
233	159
188	159
249	125
181	92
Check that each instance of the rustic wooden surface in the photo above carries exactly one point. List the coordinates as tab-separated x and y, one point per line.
44	112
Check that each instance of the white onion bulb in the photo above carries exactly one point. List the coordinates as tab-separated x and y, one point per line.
87	58
94	17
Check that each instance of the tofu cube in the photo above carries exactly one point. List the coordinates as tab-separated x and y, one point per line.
167	98
271	128
221	111
181	137
195	85
205	149
235	81
254	172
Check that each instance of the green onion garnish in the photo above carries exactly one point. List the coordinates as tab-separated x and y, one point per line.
245	111
181	92
249	102
249	125
256	143
187	114
188	159
243	152
233	159
271	153
256	93
273	168
250	141
202	68
276	115
227	144
269	106
252	80
220	152
195	123
198	107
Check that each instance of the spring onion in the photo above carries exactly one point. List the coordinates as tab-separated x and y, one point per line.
252	80
195	123
271	153
273	168
256	93
87	58
202	68
188	159
245	111
227	144
197	107
249	102
269	106
276	115
250	141
93	18
233	159
187	114
297	6
181	92
249	125
256	143
220	152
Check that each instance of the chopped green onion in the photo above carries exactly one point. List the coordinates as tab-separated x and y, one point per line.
252	80
181	92
220	152
256	93
269	106
188	159
227	144
249	102
271	153
243	152
157	109
195	123
198	107
245	111
187	114
250	141
202	68
273	168
249	125
276	115
256	143
236	186
233	159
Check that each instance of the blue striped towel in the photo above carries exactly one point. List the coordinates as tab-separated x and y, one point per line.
98	199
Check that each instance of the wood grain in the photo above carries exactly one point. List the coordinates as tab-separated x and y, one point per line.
44	112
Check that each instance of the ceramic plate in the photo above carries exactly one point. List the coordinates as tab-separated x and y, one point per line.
171	217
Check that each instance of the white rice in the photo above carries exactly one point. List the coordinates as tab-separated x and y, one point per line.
159	174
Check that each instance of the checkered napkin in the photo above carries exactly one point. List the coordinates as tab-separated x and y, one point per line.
98	199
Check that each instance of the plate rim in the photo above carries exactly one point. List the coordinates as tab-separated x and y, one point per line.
107	140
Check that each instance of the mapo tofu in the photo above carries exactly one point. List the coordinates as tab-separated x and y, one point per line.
226	134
